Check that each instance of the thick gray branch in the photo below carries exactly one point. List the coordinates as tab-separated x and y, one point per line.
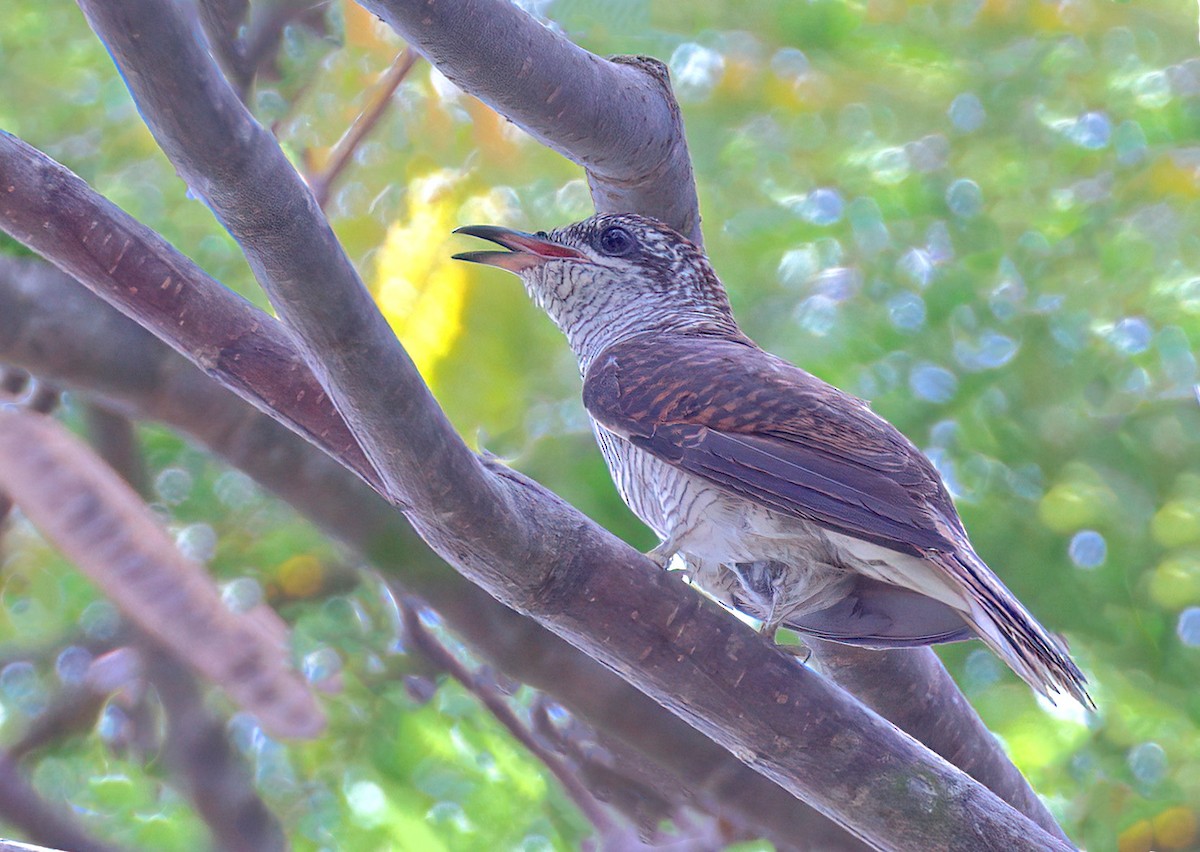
923	700
53	212
52	326
615	117
503	532
238	168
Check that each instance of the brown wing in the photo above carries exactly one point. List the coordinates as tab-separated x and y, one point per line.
731	413
728	412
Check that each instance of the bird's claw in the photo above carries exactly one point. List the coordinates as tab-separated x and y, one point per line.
661	555
768	631
803	653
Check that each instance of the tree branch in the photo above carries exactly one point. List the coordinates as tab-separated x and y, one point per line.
322	181
53	212
502	530
497	705
222	19
615	117
94	517
197	752
925	702
112	436
21	806
51	325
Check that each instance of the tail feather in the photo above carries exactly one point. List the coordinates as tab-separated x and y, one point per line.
1013	633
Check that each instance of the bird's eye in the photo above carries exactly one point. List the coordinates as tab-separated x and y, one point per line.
616	241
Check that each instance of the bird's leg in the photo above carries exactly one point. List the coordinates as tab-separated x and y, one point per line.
768	583
770	625
803	653
662	554
759	581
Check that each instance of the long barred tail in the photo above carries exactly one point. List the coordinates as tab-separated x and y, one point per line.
1013	633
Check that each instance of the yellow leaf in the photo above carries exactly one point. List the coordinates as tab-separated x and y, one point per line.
1176	828
418	287
301	576
1139	837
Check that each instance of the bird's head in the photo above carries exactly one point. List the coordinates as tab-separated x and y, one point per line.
609	277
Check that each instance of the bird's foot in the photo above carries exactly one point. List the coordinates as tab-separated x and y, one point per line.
802	653
662	555
770	628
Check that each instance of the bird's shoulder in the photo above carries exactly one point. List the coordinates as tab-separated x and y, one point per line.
730	384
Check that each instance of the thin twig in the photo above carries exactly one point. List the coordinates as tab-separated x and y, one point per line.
437	653
70	711
644	805
115	440
380	99
616	117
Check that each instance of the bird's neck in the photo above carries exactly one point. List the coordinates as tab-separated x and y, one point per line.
588	338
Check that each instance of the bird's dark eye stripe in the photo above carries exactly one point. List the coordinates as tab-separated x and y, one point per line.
615	241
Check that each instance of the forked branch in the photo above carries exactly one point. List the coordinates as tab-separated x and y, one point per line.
505	533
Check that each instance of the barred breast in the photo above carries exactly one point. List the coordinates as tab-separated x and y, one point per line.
660	495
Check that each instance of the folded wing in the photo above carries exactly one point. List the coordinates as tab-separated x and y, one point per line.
728	412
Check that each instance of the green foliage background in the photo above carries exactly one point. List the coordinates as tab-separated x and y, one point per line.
980	214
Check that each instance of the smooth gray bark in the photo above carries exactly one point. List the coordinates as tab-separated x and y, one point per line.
502	531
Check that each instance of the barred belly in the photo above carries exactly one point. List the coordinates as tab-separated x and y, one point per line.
768	565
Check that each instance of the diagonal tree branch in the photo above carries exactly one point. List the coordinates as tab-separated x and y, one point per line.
98	521
21	806
51	325
202	761
928	704
55	213
322	181
441	658
521	543
615	117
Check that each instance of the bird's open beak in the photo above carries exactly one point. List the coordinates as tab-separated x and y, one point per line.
524	250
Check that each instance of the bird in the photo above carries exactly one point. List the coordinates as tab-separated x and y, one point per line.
786	498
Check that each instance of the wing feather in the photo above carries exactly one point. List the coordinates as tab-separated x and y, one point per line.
728	412
731	413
